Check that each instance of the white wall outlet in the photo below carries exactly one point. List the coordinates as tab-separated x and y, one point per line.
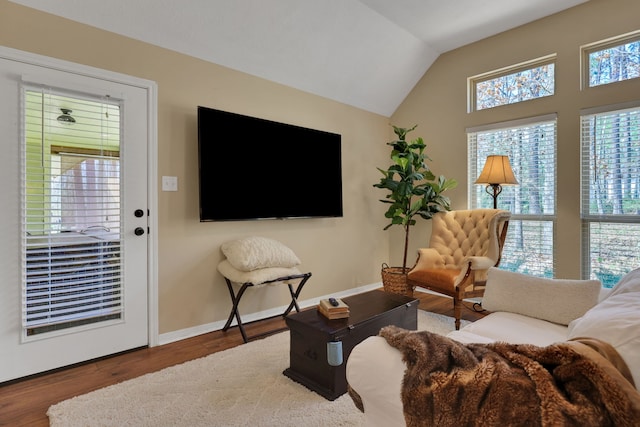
169	183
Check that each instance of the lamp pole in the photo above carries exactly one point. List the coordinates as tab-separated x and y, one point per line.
496	190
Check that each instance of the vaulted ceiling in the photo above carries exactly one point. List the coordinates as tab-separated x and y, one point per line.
364	53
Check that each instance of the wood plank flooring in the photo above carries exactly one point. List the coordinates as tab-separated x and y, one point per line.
25	402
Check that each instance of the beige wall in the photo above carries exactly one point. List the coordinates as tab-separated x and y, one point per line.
341	253
347	252
438	103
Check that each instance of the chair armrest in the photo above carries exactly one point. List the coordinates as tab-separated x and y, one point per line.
479	265
479	262
375	371
428	258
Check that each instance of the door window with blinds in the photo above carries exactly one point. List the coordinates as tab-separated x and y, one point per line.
610	192
72	275
530	145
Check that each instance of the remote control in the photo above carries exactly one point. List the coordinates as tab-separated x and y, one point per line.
333	302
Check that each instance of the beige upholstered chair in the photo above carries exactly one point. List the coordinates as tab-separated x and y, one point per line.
464	244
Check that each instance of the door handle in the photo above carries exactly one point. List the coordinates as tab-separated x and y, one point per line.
139	213
139	231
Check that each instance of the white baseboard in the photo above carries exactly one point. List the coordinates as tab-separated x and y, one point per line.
182	334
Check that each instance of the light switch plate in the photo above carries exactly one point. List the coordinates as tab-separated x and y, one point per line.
169	183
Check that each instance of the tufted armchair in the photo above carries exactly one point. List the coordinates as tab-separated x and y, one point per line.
464	244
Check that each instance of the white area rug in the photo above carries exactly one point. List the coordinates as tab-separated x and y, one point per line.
242	386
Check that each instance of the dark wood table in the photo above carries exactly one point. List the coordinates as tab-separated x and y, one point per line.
310	332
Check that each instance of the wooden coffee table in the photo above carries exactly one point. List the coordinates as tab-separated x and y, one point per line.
310	332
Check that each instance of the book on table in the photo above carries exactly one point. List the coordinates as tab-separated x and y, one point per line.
339	311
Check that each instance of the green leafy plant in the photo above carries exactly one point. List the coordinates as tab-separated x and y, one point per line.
413	188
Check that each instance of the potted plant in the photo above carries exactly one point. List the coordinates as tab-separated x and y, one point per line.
412	190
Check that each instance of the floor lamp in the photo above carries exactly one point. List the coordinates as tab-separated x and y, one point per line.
496	173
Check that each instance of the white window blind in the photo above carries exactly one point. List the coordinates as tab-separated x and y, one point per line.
70	211
531	147
610	192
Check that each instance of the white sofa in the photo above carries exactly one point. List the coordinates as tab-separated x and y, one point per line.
523	309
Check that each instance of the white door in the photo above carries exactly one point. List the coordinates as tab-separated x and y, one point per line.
74	217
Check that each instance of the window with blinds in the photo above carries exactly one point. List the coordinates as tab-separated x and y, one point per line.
70	211
610	188
531	147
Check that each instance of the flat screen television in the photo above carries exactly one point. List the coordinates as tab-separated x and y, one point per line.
251	168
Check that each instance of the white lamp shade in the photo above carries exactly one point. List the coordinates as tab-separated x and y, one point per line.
497	170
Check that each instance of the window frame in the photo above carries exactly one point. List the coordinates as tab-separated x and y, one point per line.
588	49
586	217
473	81
473	172
73	279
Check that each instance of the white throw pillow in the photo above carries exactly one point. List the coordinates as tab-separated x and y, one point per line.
252	253
554	300
615	320
630	282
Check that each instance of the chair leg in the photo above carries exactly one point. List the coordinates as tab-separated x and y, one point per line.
457	311
235	299
295	295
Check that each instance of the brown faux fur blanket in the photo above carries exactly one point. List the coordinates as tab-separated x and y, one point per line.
566	384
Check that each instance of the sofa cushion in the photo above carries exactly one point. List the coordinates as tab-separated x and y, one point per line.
615	320
554	300
512	328
253	253
630	282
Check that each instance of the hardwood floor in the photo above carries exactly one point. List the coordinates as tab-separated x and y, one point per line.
25	402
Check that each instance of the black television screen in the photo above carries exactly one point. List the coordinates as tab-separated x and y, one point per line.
251	168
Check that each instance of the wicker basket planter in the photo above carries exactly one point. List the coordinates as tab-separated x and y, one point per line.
394	280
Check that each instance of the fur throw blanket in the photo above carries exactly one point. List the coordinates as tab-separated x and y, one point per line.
575	383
